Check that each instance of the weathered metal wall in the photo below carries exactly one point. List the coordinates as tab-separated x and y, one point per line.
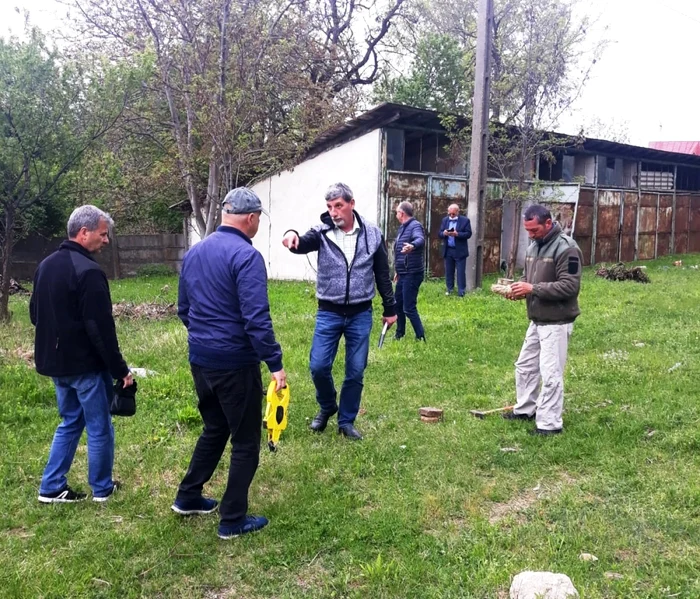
431	195
636	225
609	225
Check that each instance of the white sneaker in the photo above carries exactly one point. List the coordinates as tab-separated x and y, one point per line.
116	485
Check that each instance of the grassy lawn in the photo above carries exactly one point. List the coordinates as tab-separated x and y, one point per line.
415	510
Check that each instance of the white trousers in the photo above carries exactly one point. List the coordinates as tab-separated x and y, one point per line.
539	374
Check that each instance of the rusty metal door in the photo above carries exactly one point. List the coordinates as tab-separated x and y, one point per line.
681	217
628	233
664	225
694	225
405	187
583	231
607	242
646	234
443	193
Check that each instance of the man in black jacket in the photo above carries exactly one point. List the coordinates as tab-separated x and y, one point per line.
409	270
76	345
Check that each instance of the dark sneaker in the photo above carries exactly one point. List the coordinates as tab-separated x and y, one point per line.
320	421
545	433
201	505
249	524
350	432
398	336
67	495
116	485
514	416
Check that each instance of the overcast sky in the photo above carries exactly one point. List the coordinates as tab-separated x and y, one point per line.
646	84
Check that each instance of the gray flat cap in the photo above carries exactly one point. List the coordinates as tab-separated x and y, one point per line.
242	201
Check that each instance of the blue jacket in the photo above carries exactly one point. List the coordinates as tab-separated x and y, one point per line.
223	303
464	232
412	262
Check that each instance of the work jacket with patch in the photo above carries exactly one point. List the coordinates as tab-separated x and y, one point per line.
553	267
348	288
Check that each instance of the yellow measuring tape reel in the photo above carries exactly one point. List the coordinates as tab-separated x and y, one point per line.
275	420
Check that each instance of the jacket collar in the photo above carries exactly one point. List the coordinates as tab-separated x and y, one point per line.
553	232
228	229
73	246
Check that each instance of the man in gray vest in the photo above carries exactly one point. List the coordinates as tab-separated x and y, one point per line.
550	286
352	258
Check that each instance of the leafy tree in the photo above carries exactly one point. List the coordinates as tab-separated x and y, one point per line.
51	112
244	87
541	58
441	77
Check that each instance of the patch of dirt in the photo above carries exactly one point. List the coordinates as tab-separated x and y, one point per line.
312	576
518	505
147	311
19	353
19	533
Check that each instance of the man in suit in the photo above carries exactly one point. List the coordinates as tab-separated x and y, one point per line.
455	231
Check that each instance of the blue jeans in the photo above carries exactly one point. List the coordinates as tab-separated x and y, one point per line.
83	403
460	264
324	347
406	299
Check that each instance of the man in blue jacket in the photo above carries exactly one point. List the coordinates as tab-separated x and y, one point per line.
352	258
455	231
224	305
410	270
76	345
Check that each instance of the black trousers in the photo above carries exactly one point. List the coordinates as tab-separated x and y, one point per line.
230	402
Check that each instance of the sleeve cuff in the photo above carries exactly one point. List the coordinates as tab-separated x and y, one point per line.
275	366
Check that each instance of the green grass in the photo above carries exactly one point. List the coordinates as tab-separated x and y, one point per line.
414	510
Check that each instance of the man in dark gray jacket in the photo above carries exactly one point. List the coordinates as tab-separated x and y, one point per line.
550	286
352	258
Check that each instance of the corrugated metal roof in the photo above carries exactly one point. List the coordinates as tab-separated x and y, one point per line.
682	147
400	114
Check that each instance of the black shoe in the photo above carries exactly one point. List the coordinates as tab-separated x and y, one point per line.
66	495
320	421
421	339
544	433
349	431
398	336
514	416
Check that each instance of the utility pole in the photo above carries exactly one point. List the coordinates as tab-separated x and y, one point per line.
476	207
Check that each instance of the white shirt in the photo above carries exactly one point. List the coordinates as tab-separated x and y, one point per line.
347	242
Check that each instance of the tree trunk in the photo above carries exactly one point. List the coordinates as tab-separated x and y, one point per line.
6	260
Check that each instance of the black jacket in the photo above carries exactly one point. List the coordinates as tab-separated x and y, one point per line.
72	311
412	262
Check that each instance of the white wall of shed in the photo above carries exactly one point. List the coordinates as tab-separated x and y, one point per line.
295	200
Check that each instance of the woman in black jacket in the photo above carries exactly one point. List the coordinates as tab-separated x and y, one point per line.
410	270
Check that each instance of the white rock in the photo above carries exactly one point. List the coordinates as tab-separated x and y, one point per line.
142	372
542	585
588	557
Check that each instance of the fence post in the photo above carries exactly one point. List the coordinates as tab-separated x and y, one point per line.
116	266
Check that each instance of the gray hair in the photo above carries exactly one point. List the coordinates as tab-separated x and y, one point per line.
406	208
339	190
89	217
